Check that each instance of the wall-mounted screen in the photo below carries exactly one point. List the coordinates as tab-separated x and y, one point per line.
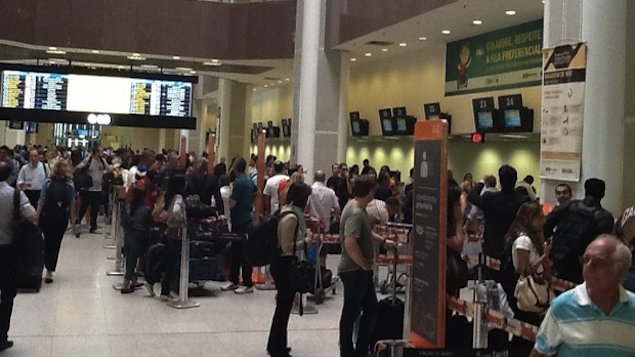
23	89
512	118
387	125
31	127
16	124
402	126
355	126
485	120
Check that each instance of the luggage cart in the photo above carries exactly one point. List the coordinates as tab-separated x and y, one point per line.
397	278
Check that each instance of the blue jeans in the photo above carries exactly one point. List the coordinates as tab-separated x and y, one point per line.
134	246
359	297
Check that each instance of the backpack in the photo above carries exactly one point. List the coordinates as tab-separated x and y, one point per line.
57	205
574	233
262	240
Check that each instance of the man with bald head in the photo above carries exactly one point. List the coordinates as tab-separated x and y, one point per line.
323	201
597	318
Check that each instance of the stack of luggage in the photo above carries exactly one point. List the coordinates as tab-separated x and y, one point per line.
204	227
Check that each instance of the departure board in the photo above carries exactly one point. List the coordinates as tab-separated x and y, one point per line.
31	90
90	93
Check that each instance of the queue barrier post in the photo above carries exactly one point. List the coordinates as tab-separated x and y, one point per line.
114	213
184	302
479	332
118	237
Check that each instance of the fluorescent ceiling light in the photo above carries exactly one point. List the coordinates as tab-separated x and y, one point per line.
384	50
136	58
136	54
56	52
53	48
422	38
279	82
149	66
176	57
287	79
353	59
266	86
403	44
94	51
477	22
211	63
192	72
446	32
368	54
510	12
183	69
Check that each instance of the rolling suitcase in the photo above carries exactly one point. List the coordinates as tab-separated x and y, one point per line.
390	312
29	250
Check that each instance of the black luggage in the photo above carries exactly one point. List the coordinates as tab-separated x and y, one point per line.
29	249
203	269
201	249
390	312
155	262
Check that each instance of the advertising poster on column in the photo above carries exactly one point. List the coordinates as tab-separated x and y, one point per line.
562	112
430	234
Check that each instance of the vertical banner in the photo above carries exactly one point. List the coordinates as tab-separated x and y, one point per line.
427	313
562	112
260	166
183	152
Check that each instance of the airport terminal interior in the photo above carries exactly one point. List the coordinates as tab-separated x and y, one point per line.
545	86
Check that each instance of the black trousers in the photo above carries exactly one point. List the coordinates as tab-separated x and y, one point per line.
53	232
359	297
238	258
33	196
7	289
92	199
172	251
280	270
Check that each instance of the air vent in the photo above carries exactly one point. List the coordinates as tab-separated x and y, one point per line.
379	43
272	78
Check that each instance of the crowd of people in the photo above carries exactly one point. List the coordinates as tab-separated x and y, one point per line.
506	223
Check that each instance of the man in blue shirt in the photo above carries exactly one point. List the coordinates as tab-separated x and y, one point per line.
241	205
597	318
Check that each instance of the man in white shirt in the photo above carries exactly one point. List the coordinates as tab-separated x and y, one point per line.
322	201
32	176
272	202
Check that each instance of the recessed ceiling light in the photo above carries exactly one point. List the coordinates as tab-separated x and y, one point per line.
120	67
255	89
287	79
53	48
149	66
214	60
94	51
279	82
136	54
384	50
403	44
136	58
446	32
353	59
56	52
211	63
176	57
477	22
192	72
510	12
185	69
422	38
266	86
368	54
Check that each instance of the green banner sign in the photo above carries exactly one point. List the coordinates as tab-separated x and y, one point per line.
503	59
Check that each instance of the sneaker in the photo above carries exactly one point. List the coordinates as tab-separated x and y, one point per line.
150	289
229	286
244	290
48	278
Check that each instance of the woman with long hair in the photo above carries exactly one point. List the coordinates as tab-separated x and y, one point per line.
55	209
525	243
290	228
136	227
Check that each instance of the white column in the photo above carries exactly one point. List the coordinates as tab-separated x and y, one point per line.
307	83
223	117
602	25
320	103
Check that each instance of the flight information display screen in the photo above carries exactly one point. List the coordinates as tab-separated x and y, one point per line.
90	93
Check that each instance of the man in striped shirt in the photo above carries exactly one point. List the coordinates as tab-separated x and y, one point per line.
597	318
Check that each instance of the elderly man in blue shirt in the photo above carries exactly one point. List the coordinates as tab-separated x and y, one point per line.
597	318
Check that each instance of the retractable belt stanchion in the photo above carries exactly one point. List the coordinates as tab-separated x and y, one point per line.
114	213
118	236
184	302
479	333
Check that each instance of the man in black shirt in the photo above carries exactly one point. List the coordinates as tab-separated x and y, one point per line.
499	209
340	184
335	169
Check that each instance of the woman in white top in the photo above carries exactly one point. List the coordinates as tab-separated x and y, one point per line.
528	252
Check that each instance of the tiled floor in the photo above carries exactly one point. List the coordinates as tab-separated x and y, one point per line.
80	314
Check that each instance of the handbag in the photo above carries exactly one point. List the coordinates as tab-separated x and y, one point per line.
301	275
533	294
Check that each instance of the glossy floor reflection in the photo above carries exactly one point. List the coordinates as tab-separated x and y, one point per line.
80	314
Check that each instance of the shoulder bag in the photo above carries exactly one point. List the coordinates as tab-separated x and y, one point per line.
533	294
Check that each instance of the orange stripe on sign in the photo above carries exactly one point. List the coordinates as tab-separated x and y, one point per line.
430	130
